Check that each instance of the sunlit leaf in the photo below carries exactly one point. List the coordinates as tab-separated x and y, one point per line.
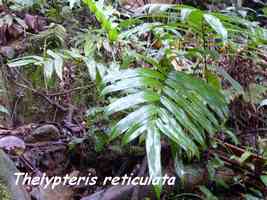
217	25
23	62
185	12
264	179
132	100
212	79
178	106
91	66
208	194
48	68
58	63
3	110
153	149
244	157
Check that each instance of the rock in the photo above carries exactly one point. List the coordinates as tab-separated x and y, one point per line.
8	52
8	179
44	133
13	145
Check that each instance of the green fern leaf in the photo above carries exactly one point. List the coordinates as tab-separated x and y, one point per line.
178	106
103	19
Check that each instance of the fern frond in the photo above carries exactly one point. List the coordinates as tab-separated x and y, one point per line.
184	109
106	23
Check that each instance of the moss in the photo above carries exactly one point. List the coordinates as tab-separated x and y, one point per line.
4	193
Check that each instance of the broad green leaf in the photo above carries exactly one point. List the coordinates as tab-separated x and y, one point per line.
195	19
185	12
211	95
22	62
264	179
217	26
244	157
26	3
113	34
58	63
197	103
251	197
134	132
130	73
177	105
38	58
213	79
153	149
136	82
190	110
48	68
118	75
102	16
214	98
91	66
183	120
132	100
201	106
177	135
207	193
232	136
136	117
175	130
101	69
4	110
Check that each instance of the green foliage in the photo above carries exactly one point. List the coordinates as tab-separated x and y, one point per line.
264	180
216	24
21	4
265	11
102	16
53	62
207	193
251	197
52	37
3	110
175	105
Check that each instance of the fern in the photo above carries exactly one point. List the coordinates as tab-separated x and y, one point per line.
103	19
184	109
51	64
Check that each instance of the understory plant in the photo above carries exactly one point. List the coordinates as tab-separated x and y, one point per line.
172	106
